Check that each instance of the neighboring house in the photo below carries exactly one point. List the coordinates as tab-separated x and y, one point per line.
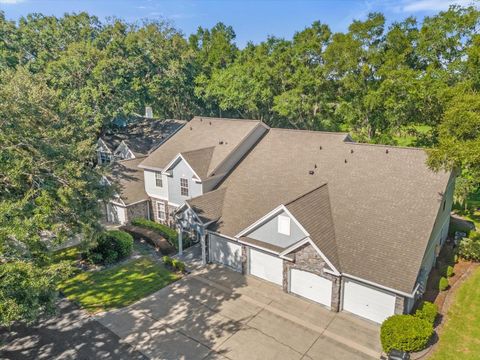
353	227
195	160
135	139
130	201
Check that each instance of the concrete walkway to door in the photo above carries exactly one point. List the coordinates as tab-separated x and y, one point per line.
215	313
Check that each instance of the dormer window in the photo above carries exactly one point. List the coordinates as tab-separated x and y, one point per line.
158	179
284	225
184	187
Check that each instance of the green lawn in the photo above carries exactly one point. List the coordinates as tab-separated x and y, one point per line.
117	286
460	338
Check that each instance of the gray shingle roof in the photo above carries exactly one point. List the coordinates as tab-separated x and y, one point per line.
223	135
143	135
209	206
383	204
129	178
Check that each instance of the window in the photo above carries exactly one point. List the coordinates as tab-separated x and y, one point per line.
158	179
161	213
184	187
283	225
104	158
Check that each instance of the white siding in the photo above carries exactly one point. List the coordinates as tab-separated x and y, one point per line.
151	189
182	170
116	214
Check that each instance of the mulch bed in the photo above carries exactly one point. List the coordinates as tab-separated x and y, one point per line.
159	242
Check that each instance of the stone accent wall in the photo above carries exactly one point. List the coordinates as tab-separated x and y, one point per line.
306	258
399	304
139	210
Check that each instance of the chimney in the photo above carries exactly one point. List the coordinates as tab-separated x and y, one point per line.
148	112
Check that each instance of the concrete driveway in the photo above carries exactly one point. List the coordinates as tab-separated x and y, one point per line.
219	314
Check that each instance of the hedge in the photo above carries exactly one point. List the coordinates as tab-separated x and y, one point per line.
112	246
469	248
406	333
443	284
427	311
167	232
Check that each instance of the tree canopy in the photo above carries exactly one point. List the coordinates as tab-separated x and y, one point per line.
64	79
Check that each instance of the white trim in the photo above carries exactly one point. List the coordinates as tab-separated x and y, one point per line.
152	168
181	157
117	204
105	145
270	215
136	202
380	286
303	242
156	197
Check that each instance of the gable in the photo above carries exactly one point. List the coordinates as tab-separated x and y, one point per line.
272	231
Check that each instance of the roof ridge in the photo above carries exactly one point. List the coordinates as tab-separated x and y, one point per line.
222	118
200	149
306	193
312	131
387	146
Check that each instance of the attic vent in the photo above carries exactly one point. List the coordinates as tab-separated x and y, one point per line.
351	151
209	123
220	142
386	151
201	119
321	147
311	172
345	161
315	166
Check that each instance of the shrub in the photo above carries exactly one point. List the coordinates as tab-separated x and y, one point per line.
112	246
179	265
450	272
427	311
443	284
167	232
167	260
469	248
455	258
406	333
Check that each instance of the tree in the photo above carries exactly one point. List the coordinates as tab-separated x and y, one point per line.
48	190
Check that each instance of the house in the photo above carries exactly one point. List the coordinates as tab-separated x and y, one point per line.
353	227
135	139
131	200
194	160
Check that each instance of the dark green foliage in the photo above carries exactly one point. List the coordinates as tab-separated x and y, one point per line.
179	265
167	232
112	246
427	311
443	284
405	332
449	271
167	260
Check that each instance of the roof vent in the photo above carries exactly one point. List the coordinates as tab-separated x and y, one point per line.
321	147
386	151
220	142
201	119
315	166
345	161
209	123
191	128
351	151
311	172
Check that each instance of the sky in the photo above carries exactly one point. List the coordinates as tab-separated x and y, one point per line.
251	20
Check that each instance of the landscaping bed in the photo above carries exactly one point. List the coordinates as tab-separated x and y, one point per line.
117	286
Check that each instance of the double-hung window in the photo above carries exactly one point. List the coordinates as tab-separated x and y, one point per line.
161	213
184	187
158	179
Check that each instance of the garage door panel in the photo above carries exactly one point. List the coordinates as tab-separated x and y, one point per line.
311	286
265	266
368	302
225	252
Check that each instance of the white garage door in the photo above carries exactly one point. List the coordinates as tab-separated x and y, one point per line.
116	214
225	252
265	266
311	286
368	302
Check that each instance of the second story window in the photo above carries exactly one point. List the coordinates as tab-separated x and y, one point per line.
104	158
158	179
184	187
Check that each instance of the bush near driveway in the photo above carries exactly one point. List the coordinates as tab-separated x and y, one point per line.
405	332
112	246
117	286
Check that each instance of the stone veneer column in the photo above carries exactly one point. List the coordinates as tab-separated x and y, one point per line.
336	292
244	260
399	304
286	269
